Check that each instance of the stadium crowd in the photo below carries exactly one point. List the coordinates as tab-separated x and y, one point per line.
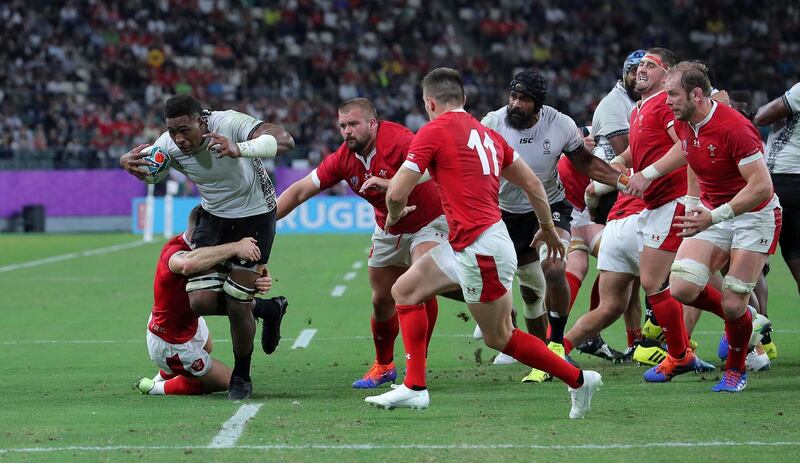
84	80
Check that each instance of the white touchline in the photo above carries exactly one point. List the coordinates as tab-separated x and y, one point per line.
233	428
71	255
646	445
358	264
304	339
338	291
349	276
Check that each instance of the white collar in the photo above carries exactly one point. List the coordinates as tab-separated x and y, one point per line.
696	128
642	102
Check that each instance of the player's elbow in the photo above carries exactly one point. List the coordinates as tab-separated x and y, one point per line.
285	142
393	196
761	117
187	267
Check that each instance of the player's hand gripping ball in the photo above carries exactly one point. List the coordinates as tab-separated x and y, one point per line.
158	164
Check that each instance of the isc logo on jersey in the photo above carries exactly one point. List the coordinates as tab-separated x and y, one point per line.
158	164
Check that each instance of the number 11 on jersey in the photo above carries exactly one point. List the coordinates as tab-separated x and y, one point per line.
474	143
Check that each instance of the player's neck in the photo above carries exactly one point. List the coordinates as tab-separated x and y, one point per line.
447	109
368	149
652	92
702	111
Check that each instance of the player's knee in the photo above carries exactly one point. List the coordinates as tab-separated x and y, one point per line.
497	340
382	302
735	285
577	244
690	271
204	290
240	284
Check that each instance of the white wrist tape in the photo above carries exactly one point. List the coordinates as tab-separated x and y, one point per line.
691	202
650	172
722	213
264	146
601	189
618	160
622	182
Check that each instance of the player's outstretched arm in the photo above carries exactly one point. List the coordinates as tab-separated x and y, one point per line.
197	260
593	167
671	161
771	112
282	136
132	161
298	193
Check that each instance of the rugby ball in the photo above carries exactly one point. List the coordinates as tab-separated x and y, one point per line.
158	164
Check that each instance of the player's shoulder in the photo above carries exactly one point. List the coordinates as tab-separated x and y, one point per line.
616	100
173	246
228	117
556	118
495	119
393	133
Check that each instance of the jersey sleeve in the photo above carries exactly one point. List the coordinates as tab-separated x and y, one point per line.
615	122
745	144
572	134
328	172
239	125
792	99
423	149
667	116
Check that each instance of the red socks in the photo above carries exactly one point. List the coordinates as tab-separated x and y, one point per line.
709	300
166	375
183	385
574	286
414	329
669	313
383	335
567	346
432	311
533	352
738	332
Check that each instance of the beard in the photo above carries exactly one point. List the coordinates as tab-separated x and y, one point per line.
631	91
355	144
519	120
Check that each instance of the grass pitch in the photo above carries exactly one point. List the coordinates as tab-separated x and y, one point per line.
72	343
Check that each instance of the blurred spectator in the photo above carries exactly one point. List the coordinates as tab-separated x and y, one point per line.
85	79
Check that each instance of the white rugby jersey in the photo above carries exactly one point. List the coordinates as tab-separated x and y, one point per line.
783	146
611	118
229	188
540	146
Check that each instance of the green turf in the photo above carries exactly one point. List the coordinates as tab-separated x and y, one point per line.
72	343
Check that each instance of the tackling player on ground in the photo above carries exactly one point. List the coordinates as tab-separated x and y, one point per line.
178	340
221	151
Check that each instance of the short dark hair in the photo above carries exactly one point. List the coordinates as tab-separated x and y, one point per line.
444	85
742	96
668	57
361	103
182	105
191	223
693	75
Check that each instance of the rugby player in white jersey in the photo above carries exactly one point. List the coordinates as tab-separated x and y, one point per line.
221	152
540	134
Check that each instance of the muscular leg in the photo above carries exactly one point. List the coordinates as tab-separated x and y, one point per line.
655	268
416	286
240	315
745	266
633	315
615	291
557	293
384	322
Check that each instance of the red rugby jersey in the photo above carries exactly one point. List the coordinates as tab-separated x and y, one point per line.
391	147
172	317
465	159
